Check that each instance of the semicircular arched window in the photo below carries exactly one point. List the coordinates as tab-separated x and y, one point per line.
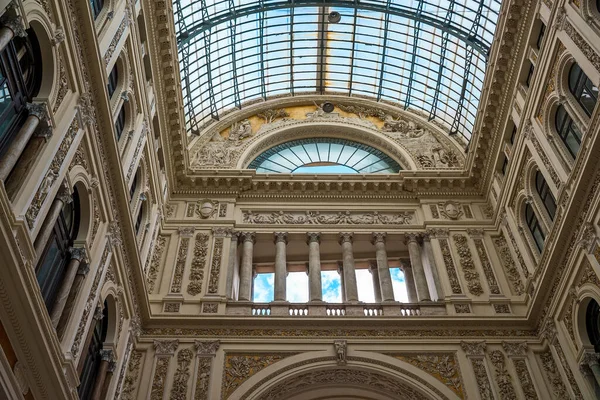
585	92
534	227
592	324
567	130
324	156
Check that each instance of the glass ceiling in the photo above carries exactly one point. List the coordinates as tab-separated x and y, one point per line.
324	156
428	55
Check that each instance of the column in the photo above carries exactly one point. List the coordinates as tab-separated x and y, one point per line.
205	354
106	358
78	254
383	269
376	284
98	315
591	361
12	27
280	265
340	271
248	239
348	265
82	272
315	289
409	279
62	198
37	112
428	248
414	251
111	371
231	264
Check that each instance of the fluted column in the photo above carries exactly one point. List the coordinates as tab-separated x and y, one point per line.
12	27
37	112
409	280
280	265
428	248
231	264
383	269
62	198
106	357
248	239
348	265
414	251
313	239
78	254
376	284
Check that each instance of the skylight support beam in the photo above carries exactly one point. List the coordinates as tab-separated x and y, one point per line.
233	39
214	113
411	76
386	25
292	91
321	52
353	50
261	35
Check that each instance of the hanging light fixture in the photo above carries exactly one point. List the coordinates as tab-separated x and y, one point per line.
334	17
328	107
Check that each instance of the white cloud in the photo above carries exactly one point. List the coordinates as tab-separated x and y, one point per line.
399	285
364	282
297	287
332	291
264	288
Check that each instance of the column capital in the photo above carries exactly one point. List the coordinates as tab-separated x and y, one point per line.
426	236
64	196
107	355
112	366
515	350
16	25
248	237
346	237
411	238
280	237
207	348
474	349
235	235
166	347
589	359
378	237
186	231
38	110
313	237
78	253
83	269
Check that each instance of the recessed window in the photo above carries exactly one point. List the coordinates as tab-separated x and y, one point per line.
534	227
133	186
138	221
592	324
540	37
97	6
545	194
113	80
513	134
567	130
529	75
585	92
504	165
120	123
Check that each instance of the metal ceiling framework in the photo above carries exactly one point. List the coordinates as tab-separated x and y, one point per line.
424	55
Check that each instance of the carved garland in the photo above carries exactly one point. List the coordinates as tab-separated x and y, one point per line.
468	265
180	265
160	377
240	367
198	261
133	370
182	375
155	263
525	379
203	378
508	264
328	218
444	367
450	269
487	267
213	282
503	378
113	44
558	386
482	379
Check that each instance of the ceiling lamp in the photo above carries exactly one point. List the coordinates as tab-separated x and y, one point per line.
334	17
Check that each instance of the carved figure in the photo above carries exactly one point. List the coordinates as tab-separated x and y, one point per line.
240	130
451	210
406	129
340	351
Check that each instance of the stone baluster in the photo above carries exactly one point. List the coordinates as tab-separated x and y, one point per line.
106	357
348	265
231	264
376	284
280	265
37	112
428	248
62	198
78	254
414	251
246	285
13	26
409	279
383	269
314	266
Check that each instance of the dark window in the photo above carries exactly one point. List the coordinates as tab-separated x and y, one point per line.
545	194
540	37
504	165
534	227
592	324
585	92
133	185
120	123
97	6
91	365
529	75
513	134
113	80
598	5
567	130
138	221
53	261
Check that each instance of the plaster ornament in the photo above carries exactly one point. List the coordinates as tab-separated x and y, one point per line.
271	115
341	347
327	218
240	130
207	348
198	262
218	152
165	347
451	210
206	208
21	378
406	129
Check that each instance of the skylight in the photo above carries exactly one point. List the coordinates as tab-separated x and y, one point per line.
429	56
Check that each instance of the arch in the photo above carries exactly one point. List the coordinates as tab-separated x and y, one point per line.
520	205
42	27
586	294
123	66
530	170
110	295
565	64
298	377
86	214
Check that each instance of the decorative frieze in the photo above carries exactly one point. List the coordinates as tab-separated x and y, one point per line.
501	308
468	265
462	308
215	269
198	262
157	389
450	269
113	44
172	307
556	383
488	271
508	264
182	375
443	366
434	211
503	378
155	263
210	308
240	367
328	218
131	379
180	265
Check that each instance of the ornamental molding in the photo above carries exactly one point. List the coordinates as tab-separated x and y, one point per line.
473	349
328	218
443	366
165	347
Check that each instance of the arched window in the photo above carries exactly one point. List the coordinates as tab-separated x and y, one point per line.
534	227
133	185
138	221
113	80
97	6
91	365
545	194
20	81
55	256
592	324
120	123
585	92
567	130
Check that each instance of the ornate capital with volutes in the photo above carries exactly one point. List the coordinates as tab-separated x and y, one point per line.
313	237
549	331
64	195
165	347
235	235
515	350
83	269
589	359
411	238
38	110
378	237
475	233
248	237
107	355
78	253
187	231
15	24
474	349
346	237
426	236
207	348
280	237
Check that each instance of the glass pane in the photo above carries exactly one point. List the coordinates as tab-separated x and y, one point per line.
264	288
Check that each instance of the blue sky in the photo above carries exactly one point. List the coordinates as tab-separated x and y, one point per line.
297	286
